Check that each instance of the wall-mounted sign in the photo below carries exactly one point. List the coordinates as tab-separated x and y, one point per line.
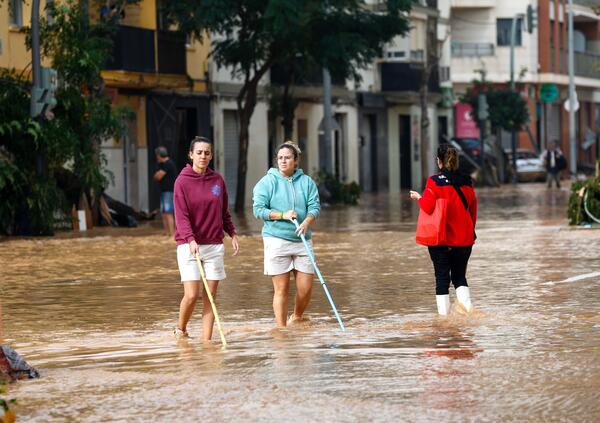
465	125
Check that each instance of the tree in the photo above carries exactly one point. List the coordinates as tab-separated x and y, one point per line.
431	65
253	35
507	108
70	141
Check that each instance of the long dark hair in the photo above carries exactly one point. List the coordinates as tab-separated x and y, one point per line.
448	156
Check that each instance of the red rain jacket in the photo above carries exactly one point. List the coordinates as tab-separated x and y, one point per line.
460	223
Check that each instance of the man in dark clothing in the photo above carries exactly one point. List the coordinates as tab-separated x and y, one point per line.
554	162
165	176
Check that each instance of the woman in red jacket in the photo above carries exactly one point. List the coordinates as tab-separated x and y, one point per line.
450	260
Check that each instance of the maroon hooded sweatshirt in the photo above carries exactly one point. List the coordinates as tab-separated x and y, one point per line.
201	207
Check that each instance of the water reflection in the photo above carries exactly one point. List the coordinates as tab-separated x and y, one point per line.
94	314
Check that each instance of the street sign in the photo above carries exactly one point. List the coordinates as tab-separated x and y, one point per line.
549	93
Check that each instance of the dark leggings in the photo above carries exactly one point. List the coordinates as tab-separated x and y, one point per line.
449	263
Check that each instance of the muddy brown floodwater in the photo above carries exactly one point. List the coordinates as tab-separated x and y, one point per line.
94	314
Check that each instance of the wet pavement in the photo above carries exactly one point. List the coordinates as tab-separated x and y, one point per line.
94	314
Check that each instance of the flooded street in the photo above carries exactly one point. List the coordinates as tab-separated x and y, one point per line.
95	315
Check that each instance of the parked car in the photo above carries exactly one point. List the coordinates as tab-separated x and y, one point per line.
530	166
470	151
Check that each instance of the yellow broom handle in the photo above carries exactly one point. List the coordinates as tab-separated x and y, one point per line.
210	298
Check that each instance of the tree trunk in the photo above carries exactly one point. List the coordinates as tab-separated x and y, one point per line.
430	65
246	105
288	107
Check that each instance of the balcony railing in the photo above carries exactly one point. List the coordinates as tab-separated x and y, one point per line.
587	65
134	50
460	49
427	3
401	76
472	3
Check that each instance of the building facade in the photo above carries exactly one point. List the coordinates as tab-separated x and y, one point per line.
481	41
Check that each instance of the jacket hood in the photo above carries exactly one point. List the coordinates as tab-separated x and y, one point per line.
188	172
297	173
457	178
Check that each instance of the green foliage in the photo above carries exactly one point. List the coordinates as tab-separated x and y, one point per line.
83	117
340	192
251	36
576	212
508	110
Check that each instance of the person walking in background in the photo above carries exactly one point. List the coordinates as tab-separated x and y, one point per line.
165	176
283	194
555	161
202	217
450	259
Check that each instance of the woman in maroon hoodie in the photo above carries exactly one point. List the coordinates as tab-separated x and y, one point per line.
201	217
450	260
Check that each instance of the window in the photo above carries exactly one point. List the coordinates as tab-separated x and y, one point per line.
15	8
503	28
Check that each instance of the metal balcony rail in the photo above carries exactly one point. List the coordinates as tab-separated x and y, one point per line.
460	49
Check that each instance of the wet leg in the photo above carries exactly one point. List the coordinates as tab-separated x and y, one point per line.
208	317
304	283
170	224
281	287
191	291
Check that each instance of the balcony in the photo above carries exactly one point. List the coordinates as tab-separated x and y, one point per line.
399	76
134	50
474	4
587	65
300	74
433	4
460	49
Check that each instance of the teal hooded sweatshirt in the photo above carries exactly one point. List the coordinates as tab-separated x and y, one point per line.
275	192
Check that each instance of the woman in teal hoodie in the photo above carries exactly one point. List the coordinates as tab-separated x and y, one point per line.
284	194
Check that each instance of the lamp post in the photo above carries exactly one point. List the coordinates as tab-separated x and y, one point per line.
572	98
513	134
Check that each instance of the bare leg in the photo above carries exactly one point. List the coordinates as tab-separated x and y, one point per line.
281	286
191	289
170	224
165	223
208	317
304	283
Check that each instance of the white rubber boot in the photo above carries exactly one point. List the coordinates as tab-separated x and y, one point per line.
463	295
443	304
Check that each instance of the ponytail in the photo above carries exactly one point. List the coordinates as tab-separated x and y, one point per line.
448	156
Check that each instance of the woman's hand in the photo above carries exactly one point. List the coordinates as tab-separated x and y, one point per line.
193	248
235	244
290	214
303	227
414	195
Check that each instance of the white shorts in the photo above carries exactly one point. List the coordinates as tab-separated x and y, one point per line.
282	255
212	260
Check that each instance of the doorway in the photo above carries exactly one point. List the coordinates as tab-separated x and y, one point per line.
405	152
